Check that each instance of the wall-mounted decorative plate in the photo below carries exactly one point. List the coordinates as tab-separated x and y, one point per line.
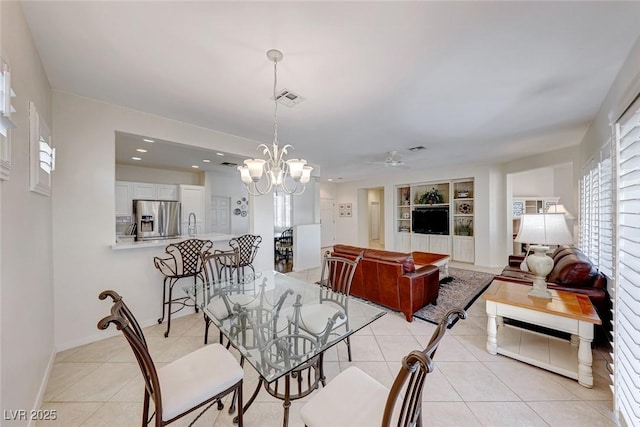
464	208
237	211
244	213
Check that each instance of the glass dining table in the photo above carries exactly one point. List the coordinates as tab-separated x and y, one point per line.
260	316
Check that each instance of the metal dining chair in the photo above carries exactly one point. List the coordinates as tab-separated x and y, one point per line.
284	247
220	269
354	399
184	260
202	377
335	284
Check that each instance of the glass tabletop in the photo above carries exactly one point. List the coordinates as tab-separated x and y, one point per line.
267	317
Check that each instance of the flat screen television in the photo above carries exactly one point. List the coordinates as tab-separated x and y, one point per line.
431	220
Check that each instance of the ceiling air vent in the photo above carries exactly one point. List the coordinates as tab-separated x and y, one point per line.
288	98
418	148
230	164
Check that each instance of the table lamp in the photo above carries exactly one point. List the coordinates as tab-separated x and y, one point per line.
540	230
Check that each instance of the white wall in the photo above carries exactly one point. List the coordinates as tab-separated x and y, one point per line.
228	184
157	176
306	206
26	284
84	263
536	182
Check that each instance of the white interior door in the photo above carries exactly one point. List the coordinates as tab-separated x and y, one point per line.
327	223
374	221
220	214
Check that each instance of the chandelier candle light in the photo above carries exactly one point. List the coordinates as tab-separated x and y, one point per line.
276	169
541	230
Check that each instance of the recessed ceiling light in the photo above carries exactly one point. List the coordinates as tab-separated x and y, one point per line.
136	158
330	179
141	150
195	166
220	154
147	140
206	161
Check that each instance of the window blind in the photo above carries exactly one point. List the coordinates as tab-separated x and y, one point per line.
627	271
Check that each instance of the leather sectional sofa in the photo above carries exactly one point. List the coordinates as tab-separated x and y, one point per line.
391	279
572	272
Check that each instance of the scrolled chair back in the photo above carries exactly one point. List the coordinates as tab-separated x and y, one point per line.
126	322
185	258
247	246
415	367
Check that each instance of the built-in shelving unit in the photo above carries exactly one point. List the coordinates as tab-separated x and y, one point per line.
456	238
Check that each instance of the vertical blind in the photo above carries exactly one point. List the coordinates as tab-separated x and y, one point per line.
627	272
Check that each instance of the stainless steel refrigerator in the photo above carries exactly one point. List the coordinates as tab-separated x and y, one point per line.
156	219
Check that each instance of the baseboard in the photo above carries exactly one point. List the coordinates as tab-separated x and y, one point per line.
43	385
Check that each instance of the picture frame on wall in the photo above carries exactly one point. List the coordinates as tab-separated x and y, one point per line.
344	210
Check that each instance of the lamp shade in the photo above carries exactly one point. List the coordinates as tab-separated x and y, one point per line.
559	208
544	229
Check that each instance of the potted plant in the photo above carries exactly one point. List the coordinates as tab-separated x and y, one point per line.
464	229
431	196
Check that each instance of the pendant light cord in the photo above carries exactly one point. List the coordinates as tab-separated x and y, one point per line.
275	100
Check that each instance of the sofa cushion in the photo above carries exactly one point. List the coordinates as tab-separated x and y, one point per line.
574	270
406	260
346	249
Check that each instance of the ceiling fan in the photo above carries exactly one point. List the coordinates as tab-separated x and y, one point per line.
394	159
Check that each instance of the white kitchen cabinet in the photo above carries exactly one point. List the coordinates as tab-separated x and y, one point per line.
166	192
144	190
192	199
123	198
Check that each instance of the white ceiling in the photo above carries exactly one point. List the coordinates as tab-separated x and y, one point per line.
471	81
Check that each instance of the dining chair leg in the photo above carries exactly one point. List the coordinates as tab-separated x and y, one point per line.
349	348
169	301
164	299
145	409
207	323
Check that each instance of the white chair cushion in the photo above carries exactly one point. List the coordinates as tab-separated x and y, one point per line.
218	308
196	377
351	399
314	317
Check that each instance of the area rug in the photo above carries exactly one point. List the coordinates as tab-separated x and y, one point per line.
464	288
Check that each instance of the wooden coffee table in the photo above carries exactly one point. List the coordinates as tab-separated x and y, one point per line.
565	311
427	258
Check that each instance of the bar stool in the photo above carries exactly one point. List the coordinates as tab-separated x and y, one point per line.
247	246
185	260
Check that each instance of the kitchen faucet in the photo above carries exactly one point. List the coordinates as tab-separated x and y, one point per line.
191	231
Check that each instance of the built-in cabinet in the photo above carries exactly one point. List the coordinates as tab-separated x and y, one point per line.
127	191
454	235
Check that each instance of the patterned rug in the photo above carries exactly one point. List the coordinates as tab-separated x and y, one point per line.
465	287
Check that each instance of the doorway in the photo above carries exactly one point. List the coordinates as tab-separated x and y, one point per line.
375	198
327	223
220	214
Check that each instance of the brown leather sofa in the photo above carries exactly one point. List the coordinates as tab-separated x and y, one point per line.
391	279
573	272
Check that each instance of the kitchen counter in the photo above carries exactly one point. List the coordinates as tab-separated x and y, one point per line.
214	237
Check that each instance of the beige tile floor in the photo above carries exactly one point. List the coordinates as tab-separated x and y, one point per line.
99	384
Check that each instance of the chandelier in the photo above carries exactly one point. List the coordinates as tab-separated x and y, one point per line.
289	176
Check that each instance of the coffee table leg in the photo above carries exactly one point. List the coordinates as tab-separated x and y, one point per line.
585	358
492	328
